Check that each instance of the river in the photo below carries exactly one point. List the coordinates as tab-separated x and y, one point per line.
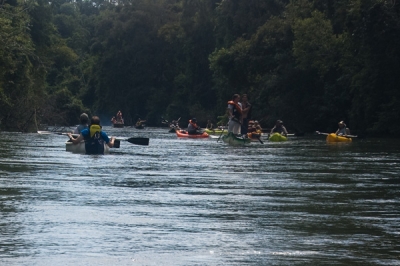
199	202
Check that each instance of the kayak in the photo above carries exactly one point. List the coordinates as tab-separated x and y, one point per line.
80	148
277	137
184	134
231	139
216	131
335	138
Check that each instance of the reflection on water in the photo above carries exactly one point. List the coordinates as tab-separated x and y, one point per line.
199	202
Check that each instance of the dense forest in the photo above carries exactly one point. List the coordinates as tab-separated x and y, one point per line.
310	63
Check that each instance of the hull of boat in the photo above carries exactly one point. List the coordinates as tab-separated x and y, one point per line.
231	139
216	131
277	137
335	138
80	147
184	134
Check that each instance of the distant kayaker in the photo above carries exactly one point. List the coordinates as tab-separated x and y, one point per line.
84	120
94	137
343	130
235	115
279	128
193	128
246	114
139	122
119	117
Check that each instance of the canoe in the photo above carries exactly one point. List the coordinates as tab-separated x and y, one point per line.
80	148
231	139
139	126
277	137
216	131
335	138
184	134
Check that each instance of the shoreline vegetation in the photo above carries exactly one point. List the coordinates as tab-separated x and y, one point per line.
308	63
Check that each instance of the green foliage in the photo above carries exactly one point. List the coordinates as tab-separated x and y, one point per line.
309	63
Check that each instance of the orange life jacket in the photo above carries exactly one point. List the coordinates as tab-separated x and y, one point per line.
237	106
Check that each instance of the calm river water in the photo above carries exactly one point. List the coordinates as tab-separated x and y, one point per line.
199	202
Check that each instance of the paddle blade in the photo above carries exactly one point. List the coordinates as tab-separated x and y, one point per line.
117	143
139	141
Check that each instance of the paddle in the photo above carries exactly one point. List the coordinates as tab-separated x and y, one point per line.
346	136
259	139
222	132
137	141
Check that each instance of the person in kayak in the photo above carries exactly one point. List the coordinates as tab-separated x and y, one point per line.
84	120
235	115
343	130
279	128
94	137
193	128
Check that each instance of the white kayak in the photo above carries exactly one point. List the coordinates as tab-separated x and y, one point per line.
80	148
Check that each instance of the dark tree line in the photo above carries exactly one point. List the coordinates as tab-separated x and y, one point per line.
310	63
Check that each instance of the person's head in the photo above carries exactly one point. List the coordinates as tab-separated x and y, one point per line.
84	118
95	120
236	98
341	124
279	122
194	120
244	98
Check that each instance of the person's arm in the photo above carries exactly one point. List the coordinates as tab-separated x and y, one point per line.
348	131
111	142
76	140
337	132
272	130
284	131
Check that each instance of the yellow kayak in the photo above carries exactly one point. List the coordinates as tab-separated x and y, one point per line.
277	137
335	138
216	131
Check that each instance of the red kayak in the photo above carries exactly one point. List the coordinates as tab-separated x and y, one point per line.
184	134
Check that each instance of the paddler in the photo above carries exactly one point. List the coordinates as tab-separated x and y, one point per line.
279	128
342	130
235	115
94	137
193	128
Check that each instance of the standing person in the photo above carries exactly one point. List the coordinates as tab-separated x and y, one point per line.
246	114
343	130
94	137
193	128
84	120
235	115
279	128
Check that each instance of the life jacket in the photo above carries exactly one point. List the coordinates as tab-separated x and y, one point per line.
94	143
237	110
